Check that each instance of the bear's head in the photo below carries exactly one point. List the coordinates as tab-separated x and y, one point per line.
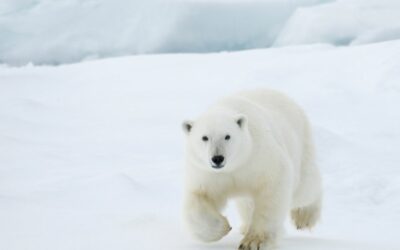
218	141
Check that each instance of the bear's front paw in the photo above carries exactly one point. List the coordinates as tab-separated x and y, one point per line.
211	229
257	242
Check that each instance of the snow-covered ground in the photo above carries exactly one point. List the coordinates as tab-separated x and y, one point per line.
91	153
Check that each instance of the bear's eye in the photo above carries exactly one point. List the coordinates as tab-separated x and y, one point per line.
227	137
204	138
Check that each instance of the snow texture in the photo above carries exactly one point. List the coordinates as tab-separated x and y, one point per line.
343	22
91	153
54	32
57	32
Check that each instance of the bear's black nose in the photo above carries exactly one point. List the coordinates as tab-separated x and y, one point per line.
217	160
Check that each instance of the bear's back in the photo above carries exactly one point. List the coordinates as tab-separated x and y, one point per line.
269	110
265	104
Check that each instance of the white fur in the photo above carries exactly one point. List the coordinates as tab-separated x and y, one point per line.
269	168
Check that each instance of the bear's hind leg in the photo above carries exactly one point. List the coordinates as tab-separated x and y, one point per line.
306	217
307	200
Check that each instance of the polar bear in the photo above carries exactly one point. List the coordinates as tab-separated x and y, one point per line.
255	147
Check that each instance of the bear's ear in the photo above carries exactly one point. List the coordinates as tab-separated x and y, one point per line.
241	121
187	126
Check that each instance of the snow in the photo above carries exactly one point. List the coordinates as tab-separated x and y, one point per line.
58	32
91	153
343	22
55	32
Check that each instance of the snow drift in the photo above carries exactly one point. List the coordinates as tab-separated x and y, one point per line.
343	22
56	32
